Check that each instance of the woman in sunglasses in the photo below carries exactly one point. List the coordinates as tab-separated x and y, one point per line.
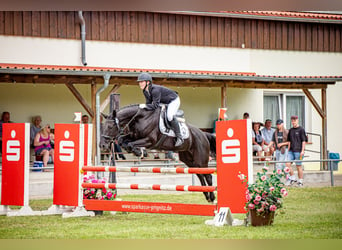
42	144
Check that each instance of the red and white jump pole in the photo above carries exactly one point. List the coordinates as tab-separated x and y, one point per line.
15	169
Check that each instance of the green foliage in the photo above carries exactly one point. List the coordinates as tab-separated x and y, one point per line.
310	213
266	193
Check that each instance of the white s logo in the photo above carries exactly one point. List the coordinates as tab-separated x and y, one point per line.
13	148
230	149
66	149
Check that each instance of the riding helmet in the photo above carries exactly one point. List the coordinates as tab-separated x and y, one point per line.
144	77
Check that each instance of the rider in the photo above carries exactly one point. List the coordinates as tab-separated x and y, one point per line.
156	94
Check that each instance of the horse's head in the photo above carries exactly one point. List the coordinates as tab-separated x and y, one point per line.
110	130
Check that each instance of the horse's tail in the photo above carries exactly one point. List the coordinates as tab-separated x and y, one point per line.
212	141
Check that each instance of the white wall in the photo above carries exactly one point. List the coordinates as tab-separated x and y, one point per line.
30	50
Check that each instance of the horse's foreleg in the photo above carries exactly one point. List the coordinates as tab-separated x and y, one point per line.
209	179
123	142
202	181
136	145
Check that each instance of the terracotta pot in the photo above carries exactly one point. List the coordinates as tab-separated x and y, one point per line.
265	219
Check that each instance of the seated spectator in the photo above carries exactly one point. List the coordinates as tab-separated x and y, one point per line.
85	119
42	144
258	140
5	118
267	133
35	128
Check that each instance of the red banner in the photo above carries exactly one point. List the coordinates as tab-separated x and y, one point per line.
151	207
234	155
67	164
15	163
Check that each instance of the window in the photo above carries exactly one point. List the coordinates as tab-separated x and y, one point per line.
280	105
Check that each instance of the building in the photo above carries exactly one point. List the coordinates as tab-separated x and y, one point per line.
265	63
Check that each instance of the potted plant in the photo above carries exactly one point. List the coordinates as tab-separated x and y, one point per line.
264	196
97	193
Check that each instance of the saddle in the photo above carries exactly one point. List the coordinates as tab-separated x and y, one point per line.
165	127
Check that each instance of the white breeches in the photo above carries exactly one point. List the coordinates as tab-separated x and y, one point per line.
173	108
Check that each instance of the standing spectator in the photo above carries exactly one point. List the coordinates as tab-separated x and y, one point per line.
267	133
5	118
258	140
85	119
297	140
35	128
42	144
279	140
245	115
118	151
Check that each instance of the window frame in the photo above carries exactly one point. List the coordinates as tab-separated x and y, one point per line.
282	102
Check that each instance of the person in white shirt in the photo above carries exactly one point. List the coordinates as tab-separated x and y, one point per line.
267	133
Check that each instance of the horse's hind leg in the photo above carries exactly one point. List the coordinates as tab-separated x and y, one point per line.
202	181
209	179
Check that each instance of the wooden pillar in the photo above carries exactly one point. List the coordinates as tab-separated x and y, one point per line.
322	111
324	126
224	96
93	107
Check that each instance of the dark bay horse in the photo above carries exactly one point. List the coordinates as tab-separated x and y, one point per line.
135	128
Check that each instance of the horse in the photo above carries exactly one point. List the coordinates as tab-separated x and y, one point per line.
135	127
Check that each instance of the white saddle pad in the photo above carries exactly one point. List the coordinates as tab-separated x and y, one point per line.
183	129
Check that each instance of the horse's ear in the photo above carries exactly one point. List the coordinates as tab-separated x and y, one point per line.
104	116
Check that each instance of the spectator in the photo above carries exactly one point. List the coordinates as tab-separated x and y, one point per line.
279	140
170	155
35	128
5	118
267	133
118	151
297	139
245	115
258	140
42	144
85	119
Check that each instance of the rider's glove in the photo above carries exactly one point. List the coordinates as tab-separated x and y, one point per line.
142	106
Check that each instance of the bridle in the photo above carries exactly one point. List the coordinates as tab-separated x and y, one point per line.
122	131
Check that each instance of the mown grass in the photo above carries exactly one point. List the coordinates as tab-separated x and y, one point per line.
309	213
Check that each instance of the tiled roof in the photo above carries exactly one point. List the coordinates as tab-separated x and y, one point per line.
292	14
112	70
132	72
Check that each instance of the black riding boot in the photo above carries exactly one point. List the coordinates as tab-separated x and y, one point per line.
175	127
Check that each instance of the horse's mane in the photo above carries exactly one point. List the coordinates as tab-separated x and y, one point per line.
129	106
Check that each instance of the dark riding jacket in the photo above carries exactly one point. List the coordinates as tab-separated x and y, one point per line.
156	94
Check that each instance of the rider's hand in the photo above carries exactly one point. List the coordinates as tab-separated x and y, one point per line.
142	106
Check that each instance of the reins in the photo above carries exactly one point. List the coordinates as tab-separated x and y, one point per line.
126	126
